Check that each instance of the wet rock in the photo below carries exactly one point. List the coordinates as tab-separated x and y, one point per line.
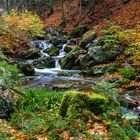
71	60
78	31
44	62
113	79
48	37
72	42
129	101
101	50
29	54
52	31
68	48
95	71
62	40
102	69
54	41
63	73
6	101
53	51
87	40
64	86
26	68
101	54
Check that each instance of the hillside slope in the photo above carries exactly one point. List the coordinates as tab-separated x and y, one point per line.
126	15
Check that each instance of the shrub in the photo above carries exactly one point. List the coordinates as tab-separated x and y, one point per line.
128	73
16	28
38	99
8	73
134	46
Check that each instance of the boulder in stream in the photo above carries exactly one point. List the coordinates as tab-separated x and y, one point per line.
26	68
53	51
98	51
78	31
32	53
44	62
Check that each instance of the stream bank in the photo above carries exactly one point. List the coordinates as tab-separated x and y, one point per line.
64	63
47	68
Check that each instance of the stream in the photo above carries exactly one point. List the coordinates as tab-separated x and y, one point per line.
48	78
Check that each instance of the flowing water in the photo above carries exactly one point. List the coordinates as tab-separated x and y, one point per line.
48	76
42	45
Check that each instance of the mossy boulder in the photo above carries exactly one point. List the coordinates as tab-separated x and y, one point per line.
68	48
7	101
75	102
87	38
71	60
29	54
92	52
101	69
53	51
44	62
26	68
78	31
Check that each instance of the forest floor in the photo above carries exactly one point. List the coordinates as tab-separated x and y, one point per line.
125	15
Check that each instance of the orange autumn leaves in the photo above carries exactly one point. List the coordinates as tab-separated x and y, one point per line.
16	28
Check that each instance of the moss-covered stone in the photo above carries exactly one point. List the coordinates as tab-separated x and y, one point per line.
78	31
53	51
68	48
69	62
44	62
26	68
75	102
32	53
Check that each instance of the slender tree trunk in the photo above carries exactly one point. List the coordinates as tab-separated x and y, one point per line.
21	6
51	7
91	4
63	15
80	7
11	4
8	7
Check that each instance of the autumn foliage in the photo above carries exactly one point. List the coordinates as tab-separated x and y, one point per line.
16	28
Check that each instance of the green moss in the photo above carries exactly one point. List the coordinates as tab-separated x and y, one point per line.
123	133
78	31
75	110
65	102
68	61
2	57
117	133
9	68
131	132
97	103
74	103
53	51
128	73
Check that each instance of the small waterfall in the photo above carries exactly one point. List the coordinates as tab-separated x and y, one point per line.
62	52
57	65
44	44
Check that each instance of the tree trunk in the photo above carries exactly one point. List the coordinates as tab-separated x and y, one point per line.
51	7
63	15
80	7
8	7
